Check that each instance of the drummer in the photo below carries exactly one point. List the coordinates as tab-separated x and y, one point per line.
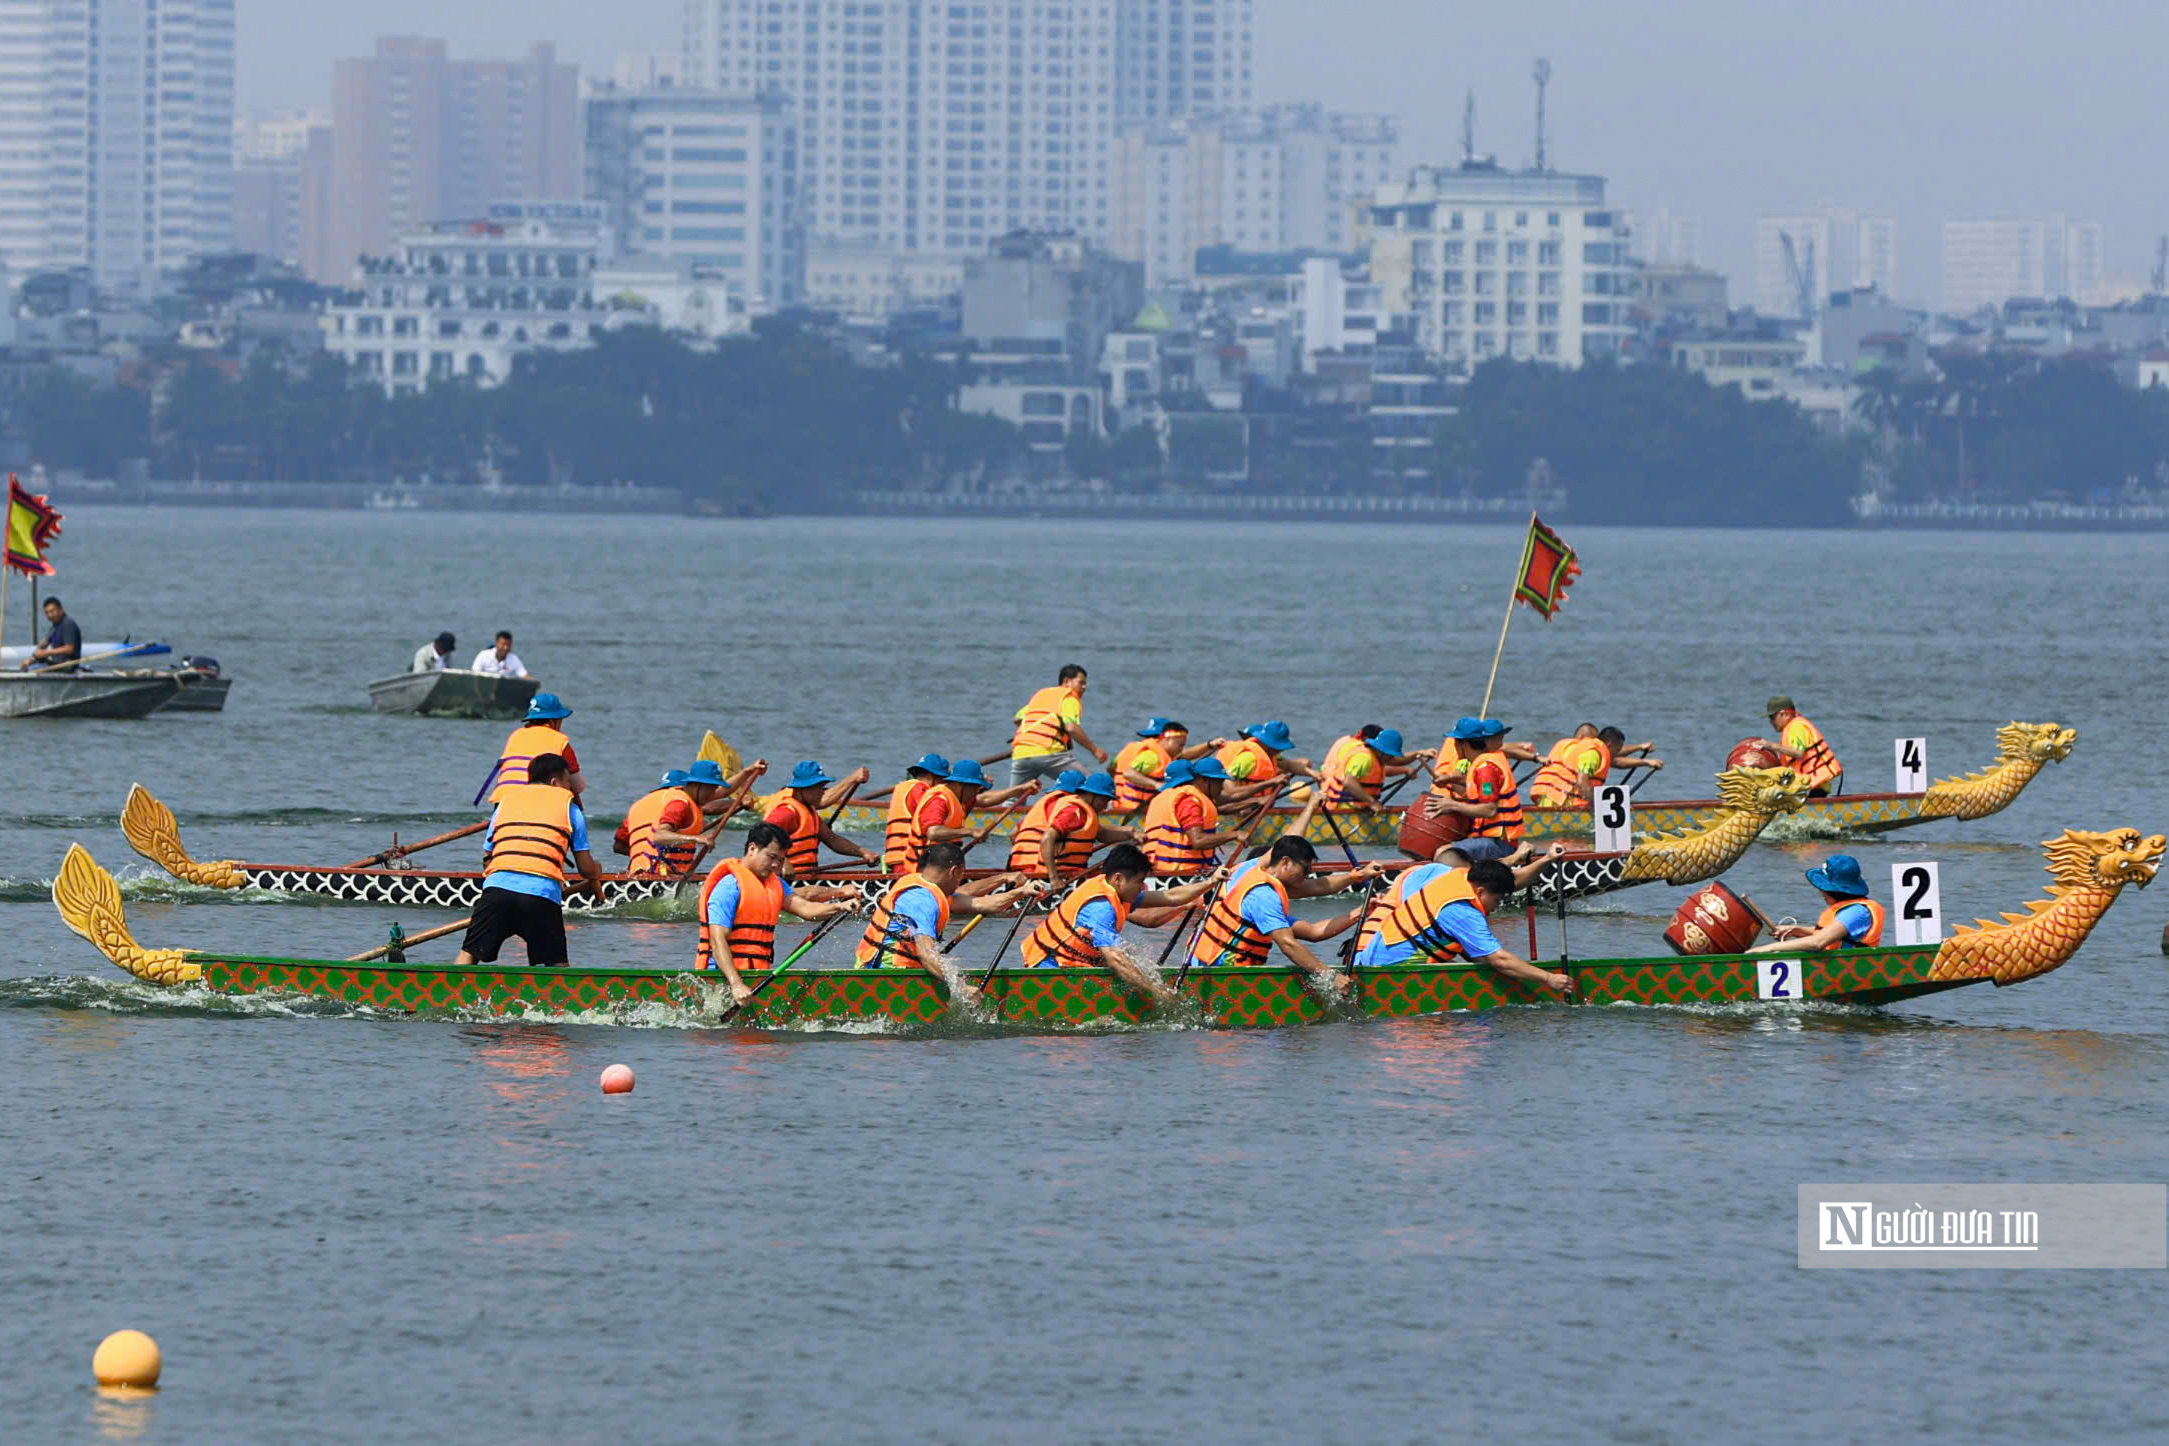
1850	918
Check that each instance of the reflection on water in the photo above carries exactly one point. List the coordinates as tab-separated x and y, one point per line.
120	1414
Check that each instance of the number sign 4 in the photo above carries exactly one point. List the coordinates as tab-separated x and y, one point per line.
1912	756
1916	903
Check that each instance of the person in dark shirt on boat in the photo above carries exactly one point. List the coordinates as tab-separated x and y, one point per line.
63	645
536	830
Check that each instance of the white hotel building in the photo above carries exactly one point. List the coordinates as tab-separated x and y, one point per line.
117	130
1488	263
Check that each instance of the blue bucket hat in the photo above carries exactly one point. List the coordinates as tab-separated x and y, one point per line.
706	771
674	779
1155	726
547	707
808	775
1273	735
1467	730
1099	783
933	763
1387	743
1204	768
1840	874
1069	780
1176	773
1493	728
967	770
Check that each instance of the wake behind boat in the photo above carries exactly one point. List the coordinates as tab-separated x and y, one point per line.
454	693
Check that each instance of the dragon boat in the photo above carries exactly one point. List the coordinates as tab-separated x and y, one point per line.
2021	751
1749	798
2089	871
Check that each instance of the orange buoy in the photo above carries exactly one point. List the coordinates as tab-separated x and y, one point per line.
1752	753
617	1080
128	1358
1713	920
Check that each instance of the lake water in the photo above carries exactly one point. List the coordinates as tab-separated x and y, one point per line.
1534	1224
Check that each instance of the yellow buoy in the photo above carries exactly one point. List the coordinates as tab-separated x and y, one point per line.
127	1358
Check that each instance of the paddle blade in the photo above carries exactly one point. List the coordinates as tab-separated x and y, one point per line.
722	755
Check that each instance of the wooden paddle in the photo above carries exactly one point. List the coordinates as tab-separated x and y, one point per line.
996	822
996	962
399	850
738	803
796	954
881	793
87	658
422	938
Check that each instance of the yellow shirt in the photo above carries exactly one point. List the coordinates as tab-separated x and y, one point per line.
1071	713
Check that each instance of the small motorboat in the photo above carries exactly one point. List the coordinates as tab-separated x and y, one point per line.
129	693
203	688
454	693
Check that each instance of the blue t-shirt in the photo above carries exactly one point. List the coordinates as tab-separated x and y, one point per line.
1259	904
540	887
916	912
723	905
1096	921
1857	921
1464	923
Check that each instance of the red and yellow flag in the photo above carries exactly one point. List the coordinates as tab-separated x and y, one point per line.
32	523
1548	569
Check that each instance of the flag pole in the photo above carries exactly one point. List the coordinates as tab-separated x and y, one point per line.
1511	594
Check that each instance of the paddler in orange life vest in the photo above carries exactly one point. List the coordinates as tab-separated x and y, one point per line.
1085	930
1259	761
798	813
1801	744
1483	791
740	902
1048	723
663	833
1182	823
536	830
943	812
1357	768
1575	766
1434	914
1065	826
1849	920
1141	765
543	732
1249	917
903	798
905	927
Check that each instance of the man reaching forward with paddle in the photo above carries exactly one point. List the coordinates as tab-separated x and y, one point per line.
740	904
1085	929
906	925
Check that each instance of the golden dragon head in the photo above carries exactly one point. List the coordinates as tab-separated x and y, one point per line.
2108	860
2035	742
1761	790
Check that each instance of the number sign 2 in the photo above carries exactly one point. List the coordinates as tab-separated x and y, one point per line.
1778	980
1614	810
1912	765
1916	904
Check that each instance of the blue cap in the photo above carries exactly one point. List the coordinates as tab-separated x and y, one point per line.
933	763
1205	768
1099	783
1386	742
706	771
674	779
1493	728
1069	780
808	775
1176	773
1840	874
967	770
1155	727
1273	735
547	707
1468	730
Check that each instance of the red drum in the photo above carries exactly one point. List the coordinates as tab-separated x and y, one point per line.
1714	920
1421	837
1752	753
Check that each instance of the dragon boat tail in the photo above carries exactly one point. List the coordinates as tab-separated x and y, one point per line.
2089	871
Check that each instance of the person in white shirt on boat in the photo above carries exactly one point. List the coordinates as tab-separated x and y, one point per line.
499	661
433	657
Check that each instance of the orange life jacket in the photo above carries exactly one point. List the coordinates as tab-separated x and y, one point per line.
896	834
527	743
805	831
1506	823
1226	937
1129	795
531	832
1071	854
641	821
1554	784
875	947
1040	729
1399	917
1262	770
752	936
1062	938
1338	780
915	835
1875	926
1168	842
1816	765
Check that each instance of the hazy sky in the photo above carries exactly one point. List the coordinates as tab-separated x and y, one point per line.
1919	109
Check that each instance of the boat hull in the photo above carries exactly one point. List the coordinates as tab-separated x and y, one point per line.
204	695
85	695
454	693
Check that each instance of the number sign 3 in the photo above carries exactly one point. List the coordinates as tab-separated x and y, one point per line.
1613	808
1916	904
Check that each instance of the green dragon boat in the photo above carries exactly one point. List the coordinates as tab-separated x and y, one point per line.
2089	869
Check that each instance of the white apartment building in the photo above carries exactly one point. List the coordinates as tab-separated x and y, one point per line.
1666	238
1179	57
928	126
702	177
275	136
1835	249
463	299
1986	263
116	119
868	283
1488	263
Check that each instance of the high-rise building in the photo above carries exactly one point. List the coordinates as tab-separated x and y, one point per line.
928	126
1662	237
1986	263
705	178
1181	57
418	137
1286	178
116	119
1832	248
270	153
275	135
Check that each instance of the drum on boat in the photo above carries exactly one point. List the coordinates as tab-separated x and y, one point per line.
1753	753
1421	836
1714	920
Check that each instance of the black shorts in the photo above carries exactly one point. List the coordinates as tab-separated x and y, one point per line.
502	914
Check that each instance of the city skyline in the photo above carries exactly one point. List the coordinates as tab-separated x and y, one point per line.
1680	106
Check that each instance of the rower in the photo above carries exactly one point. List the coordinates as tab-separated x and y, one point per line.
798	813
1629	756
1573	767
1801	744
1250	915
536	828
433	656
63	645
1064	827
1435	914
740	903
1047	724
1357	768
1524	860
1849	920
1479	785
1182	831
902	800
1256	761
906	924
1085	929
663	833
943	812
542	733
1141	765
498	660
